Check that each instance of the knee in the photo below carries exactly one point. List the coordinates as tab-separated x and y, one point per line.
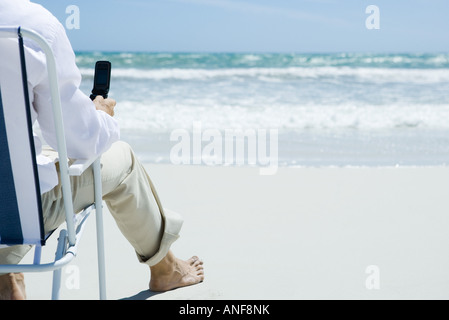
125	147
122	147
120	157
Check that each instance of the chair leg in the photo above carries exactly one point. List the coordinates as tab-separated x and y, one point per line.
100	232
60	252
37	254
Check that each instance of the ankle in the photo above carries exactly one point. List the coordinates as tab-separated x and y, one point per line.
166	265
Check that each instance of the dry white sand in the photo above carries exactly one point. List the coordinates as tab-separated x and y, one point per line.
303	233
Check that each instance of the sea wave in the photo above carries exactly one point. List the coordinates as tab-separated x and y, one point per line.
365	75
346	99
165	117
154	60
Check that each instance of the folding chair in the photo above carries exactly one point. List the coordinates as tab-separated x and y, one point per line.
21	220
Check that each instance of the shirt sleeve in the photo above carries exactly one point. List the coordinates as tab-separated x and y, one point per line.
88	132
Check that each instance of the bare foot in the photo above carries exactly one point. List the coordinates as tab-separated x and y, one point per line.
172	273
12	286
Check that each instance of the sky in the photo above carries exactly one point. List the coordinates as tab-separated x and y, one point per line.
304	26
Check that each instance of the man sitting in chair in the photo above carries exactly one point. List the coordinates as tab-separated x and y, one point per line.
91	131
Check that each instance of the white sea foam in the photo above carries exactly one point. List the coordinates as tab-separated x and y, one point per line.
164	117
368	75
343	109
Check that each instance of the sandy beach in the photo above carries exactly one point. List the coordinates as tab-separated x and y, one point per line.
305	145
303	233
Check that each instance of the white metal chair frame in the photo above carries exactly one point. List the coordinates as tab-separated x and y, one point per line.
68	238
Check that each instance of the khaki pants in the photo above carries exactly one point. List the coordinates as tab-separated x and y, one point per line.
131	198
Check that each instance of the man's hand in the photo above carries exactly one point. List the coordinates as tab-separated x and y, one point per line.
106	105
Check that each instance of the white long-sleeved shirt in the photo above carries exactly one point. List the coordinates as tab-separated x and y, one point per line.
89	132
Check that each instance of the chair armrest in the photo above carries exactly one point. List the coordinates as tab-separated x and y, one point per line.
79	166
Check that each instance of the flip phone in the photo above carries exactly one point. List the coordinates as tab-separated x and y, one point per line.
102	79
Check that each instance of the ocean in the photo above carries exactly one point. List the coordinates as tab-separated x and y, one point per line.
338	109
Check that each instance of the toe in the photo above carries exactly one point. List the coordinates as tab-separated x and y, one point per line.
193	259
198	263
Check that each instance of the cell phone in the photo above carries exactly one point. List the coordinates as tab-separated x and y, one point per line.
102	79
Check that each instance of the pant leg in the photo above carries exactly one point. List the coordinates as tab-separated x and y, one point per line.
131	199
13	254
133	202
